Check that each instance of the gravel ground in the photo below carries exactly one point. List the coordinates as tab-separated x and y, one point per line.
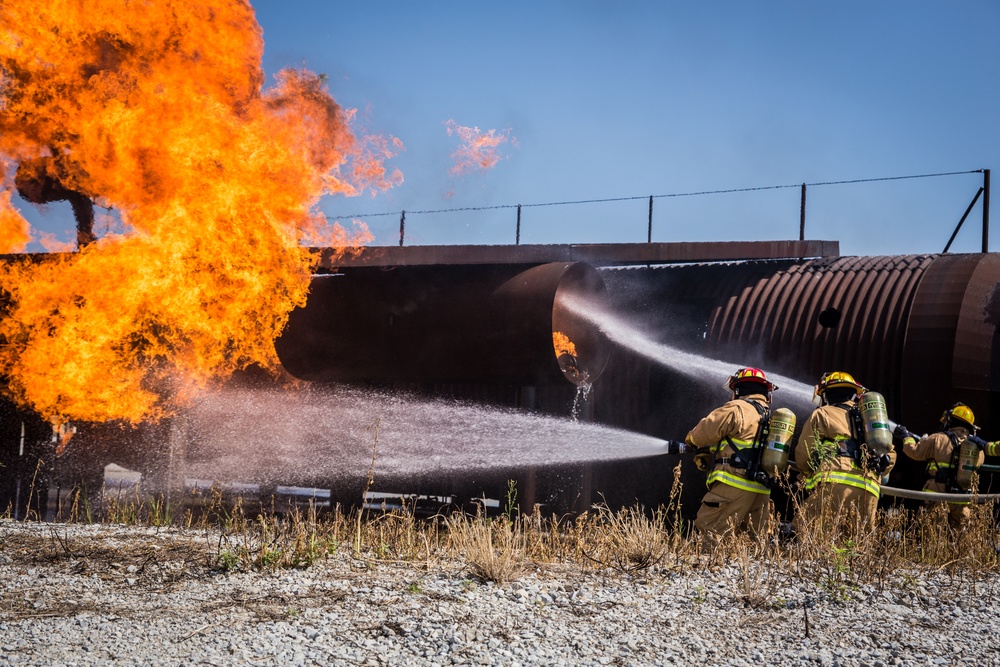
98	595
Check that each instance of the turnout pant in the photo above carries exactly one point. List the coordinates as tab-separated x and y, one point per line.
726	508
832	505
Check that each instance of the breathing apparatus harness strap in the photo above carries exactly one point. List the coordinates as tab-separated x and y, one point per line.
748	457
854	447
947	473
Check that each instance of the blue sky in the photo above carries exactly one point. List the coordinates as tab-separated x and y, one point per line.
615	100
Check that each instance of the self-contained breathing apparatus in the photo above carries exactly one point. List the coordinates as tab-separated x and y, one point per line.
871	437
766	458
957	475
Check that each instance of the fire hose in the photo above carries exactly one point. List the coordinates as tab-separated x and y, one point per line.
974	498
933	496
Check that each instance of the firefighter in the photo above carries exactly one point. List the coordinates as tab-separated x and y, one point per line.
839	472
725	441
942	452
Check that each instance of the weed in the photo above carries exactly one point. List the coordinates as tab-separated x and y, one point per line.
839	555
510	506
629	540
227	560
376	425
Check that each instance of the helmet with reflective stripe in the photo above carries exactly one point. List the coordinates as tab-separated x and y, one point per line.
748	375
835	380
959	414
838	379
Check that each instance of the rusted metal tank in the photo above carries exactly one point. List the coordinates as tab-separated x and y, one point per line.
492	323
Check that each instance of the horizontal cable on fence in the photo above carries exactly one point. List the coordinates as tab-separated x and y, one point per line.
661	196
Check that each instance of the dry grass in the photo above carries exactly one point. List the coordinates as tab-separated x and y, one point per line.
901	547
495	549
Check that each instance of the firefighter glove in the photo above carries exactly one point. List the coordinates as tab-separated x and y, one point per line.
703	461
978	442
880	463
902	433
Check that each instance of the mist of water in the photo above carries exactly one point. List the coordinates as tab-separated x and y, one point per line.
316	435
319	435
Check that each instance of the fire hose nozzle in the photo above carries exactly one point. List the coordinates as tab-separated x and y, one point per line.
675	447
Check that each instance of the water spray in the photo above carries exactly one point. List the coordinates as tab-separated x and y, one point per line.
696	366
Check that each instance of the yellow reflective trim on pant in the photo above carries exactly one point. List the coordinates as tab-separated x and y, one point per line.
736	481
849	479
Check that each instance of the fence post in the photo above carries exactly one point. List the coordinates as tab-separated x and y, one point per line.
517	237
960	222
986	210
402	225
649	232
802	215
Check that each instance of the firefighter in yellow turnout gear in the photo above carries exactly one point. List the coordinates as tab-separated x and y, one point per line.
725	438
947	468
839	470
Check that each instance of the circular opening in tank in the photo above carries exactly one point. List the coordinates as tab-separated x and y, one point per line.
829	318
580	347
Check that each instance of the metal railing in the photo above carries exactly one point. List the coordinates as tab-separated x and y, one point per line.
984	191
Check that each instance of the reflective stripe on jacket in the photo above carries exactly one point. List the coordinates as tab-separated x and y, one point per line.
726	430
817	452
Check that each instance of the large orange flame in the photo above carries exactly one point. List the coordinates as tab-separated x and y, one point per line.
156	109
14	229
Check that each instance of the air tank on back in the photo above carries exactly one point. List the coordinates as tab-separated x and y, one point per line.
875	417
781	427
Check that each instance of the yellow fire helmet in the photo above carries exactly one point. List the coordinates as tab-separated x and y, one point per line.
748	375
833	380
959	414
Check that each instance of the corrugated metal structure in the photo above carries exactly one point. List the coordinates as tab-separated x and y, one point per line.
922	330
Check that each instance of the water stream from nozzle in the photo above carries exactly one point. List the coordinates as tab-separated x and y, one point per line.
319	434
797	395
315	434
